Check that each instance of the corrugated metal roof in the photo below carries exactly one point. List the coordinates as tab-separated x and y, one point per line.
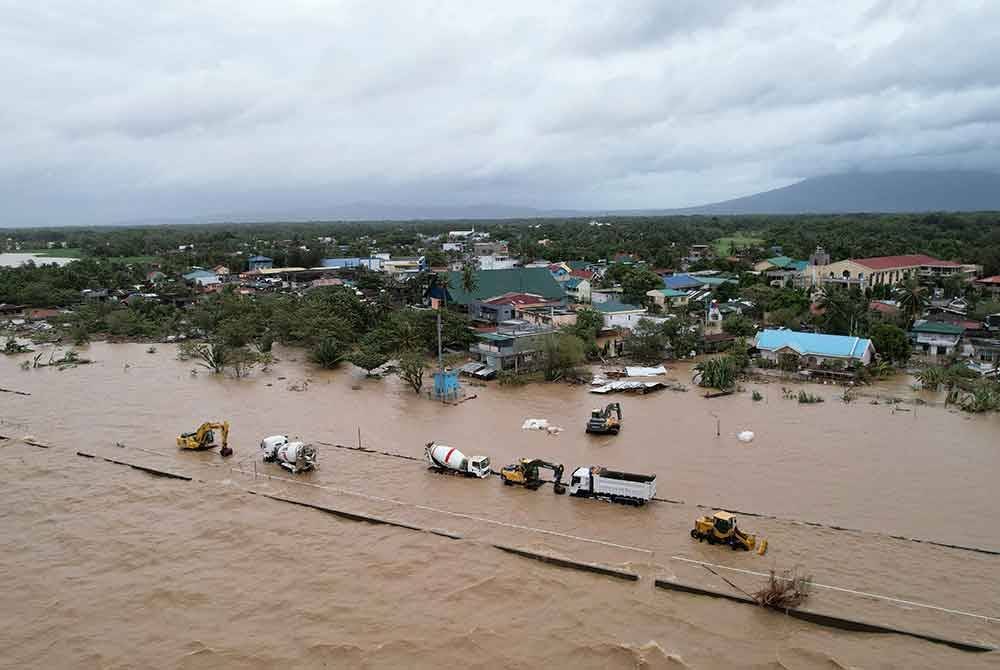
812	344
614	307
937	327
491	283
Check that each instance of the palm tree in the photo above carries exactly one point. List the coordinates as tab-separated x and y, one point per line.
912	299
469	281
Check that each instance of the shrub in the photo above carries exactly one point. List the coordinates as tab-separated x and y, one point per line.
328	353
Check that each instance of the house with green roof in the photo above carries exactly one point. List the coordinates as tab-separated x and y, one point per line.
934	338
493	283
668	297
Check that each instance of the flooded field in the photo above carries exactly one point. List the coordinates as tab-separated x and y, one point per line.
109	567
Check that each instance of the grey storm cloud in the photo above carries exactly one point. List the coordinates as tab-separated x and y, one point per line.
116	110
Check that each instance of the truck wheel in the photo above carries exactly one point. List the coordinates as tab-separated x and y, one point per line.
734	546
506	482
694	534
614	431
559	489
710	538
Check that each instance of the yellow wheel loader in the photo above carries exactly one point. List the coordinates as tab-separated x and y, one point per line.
204	438
721	528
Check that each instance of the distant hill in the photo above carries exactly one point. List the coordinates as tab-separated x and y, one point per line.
952	191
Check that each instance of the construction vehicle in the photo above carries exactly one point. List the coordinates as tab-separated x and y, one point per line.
721	528
623	487
204	438
607	420
450	460
525	473
295	456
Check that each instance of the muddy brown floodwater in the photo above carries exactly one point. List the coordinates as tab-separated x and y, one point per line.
108	567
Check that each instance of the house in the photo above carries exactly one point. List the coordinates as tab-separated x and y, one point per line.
668	298
700	252
989	286
933	338
502	308
221	270
492	283
373	263
620	315
684	282
560	271
577	290
546	315
782	270
7	309
202	278
495	262
885	309
865	272
325	281
813	349
606	294
260	263
456	247
514	346
404	266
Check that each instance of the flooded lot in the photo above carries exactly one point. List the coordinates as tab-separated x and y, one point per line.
130	570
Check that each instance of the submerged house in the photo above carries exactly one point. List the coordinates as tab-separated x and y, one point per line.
934	338
813	349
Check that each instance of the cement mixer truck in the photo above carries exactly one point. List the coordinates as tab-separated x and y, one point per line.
450	460
295	457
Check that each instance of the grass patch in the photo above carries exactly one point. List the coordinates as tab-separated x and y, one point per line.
724	245
54	253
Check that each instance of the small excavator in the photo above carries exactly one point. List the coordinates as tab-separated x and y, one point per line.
204	438
607	420
525	473
721	528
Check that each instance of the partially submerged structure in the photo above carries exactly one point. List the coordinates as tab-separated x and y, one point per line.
813	349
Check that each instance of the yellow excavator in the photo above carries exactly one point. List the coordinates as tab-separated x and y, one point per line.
525	473
204	438
607	420
721	528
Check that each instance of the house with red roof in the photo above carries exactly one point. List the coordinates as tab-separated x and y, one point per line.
989	285
888	270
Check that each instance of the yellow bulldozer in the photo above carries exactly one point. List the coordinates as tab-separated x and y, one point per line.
721	528
205	438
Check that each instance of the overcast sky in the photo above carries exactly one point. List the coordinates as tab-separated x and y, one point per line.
117	110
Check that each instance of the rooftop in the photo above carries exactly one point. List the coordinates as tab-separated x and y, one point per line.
492	283
806	344
994	280
517	299
260	259
683	281
937	328
672	293
905	261
615	307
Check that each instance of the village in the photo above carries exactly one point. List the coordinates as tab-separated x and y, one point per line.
817	318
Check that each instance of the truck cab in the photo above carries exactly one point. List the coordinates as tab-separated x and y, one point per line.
479	466
579	482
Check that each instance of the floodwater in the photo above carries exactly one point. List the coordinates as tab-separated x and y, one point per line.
13	260
106	566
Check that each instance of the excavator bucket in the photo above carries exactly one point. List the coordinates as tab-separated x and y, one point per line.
762	547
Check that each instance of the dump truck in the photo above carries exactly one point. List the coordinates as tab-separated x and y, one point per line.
605	421
294	456
525	473
721	528
443	458
624	487
204	438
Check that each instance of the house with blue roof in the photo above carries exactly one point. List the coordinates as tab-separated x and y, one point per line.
577	289
814	349
684	282
668	297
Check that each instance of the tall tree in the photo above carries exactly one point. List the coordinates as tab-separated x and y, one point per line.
912	299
